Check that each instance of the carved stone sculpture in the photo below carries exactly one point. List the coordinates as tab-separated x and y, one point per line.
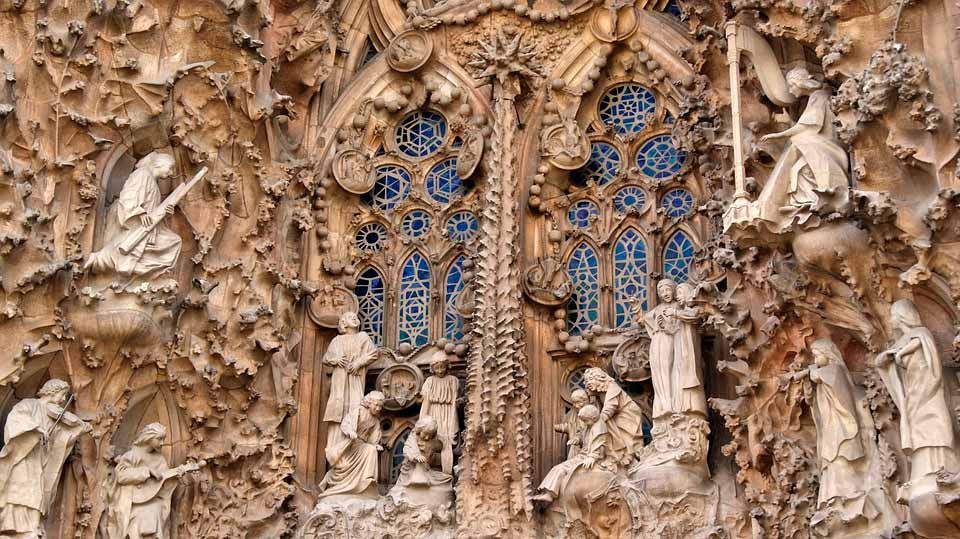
571	427
38	436
420	482
677	387
810	177
353	457
142	489
594	453
622	417
135	208
348	355
912	371
439	394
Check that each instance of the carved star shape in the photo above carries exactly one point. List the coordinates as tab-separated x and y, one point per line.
505	56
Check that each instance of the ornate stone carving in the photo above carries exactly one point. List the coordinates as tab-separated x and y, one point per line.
351	168
330	304
409	51
564	145
400	384
348	355
352	454
547	283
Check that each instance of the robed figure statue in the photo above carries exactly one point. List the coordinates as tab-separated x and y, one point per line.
38	436
348	354
141	489
134	208
353	460
677	386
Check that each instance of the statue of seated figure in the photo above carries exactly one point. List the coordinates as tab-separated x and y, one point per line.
421	482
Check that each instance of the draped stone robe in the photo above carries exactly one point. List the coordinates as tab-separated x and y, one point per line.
29	469
624	421
677	387
353	462
346	389
440	402
838	433
140	507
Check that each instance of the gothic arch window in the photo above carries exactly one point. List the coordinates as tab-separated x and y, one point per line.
413	321
417	220
635	182
396	457
583	266
370	296
678	257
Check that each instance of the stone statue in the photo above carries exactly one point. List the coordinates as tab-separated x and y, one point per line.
139	498
839	445
913	375
622	417
439	393
353	460
38	436
348	354
595	452
811	174
420	482
135	208
677	387
571	423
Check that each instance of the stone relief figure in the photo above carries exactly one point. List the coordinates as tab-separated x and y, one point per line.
621	415
353	460
677	387
810	176
38	436
135	209
349	354
439	394
571	426
420	482
594	453
140	496
913	375
839	444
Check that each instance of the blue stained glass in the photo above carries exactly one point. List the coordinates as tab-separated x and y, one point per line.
370	237
677	202
453	285
582	213
678	257
370	295
583	310
396	456
414	319
576	381
626	108
629	198
443	183
602	167
391	188
415	224
659	158
462	226
629	275
421	133
673	8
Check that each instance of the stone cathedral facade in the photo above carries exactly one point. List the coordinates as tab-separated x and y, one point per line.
439	269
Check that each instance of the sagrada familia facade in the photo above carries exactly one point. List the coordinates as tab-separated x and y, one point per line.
519	269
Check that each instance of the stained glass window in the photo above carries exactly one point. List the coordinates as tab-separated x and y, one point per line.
629	198
673	8
391	188
414	319
453	285
677	202
626	108
583	213
629	275
370	296
415	224
659	158
583	310
602	167
370	237
443	183
575	380
462	226
421	133
678	257
396	456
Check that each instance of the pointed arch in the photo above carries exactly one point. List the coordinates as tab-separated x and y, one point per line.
452	287
371	296
413	320
629	275
678	254
583	310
